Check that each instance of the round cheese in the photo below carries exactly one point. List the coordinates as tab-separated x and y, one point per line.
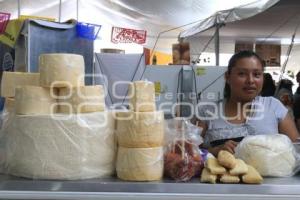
61	70
140	129
271	155
82	99
60	147
31	100
11	80
140	164
141	96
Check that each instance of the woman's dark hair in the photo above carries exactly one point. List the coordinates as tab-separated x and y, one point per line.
232	62
269	86
286	84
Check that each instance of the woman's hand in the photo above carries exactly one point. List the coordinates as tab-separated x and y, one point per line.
227	146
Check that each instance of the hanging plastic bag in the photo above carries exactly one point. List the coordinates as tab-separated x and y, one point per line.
182	158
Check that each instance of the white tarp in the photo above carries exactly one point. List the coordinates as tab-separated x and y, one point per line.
155	16
230	15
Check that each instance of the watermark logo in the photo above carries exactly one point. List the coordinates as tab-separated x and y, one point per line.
204	110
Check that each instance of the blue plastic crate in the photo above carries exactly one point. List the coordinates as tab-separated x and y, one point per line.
87	31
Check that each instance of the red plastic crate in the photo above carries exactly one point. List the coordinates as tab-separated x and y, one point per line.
4	19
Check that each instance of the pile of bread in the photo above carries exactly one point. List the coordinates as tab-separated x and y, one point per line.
227	169
140	133
58	127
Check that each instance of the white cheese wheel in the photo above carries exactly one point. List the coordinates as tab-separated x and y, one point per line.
271	155
141	96
82	99
60	146
11	80
34	100
140	164
140	129
61	70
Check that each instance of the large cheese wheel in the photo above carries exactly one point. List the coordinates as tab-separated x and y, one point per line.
82	99
66	147
140	129
141	96
271	155
34	100
61	70
140	164
11	80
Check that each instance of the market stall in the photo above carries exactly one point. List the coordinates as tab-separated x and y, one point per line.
61	139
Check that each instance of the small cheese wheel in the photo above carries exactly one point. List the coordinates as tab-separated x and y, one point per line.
61	70
12	80
32	100
84	99
141	96
140	164
140	129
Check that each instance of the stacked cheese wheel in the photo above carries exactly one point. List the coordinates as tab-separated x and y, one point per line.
140	134
227	169
58	88
59	129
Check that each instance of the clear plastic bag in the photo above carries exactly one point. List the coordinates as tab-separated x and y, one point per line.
182	157
59	146
272	155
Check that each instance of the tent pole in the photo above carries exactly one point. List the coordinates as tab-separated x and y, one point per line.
217	44
59	14
19	8
77	9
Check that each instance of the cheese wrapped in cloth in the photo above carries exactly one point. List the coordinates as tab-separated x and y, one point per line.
66	147
272	155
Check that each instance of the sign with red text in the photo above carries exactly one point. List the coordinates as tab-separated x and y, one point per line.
125	35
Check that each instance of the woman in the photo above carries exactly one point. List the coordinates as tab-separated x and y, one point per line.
243	112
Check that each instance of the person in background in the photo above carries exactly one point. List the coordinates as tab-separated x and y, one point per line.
243	112
285	95
298	81
269	87
296	108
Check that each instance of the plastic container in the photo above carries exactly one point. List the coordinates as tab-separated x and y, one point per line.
4	19
87	31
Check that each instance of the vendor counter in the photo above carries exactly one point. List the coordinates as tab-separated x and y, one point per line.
113	188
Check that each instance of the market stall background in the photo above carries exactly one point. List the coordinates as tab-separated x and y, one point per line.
141	15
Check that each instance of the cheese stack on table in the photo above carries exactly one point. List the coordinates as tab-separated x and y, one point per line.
59	129
140	133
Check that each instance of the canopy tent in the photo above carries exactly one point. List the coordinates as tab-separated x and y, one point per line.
155	16
276	25
271	17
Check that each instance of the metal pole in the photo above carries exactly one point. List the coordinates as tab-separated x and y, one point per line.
77	9
59	14
217	44
19	8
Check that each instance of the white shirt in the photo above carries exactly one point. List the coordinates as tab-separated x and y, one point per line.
268	112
